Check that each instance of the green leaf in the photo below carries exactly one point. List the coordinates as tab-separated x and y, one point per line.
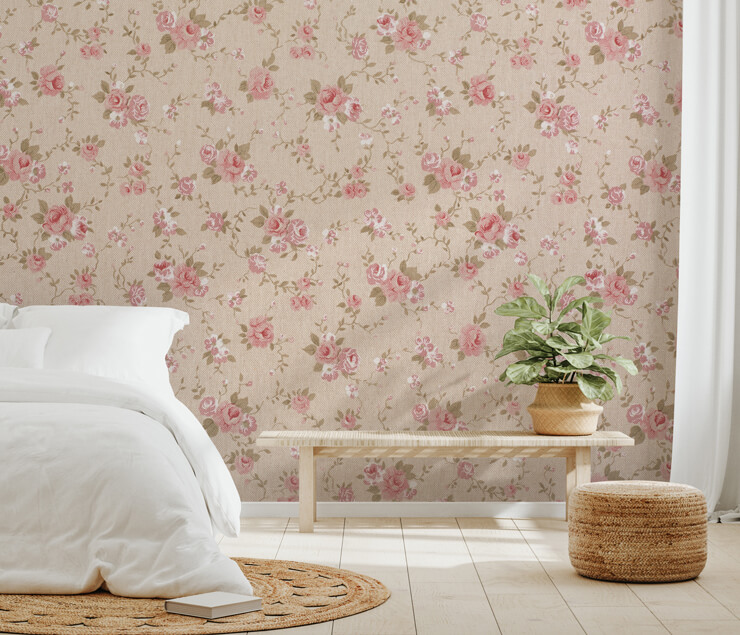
522	341
594	387
558	342
525	307
566	286
539	283
627	364
525	372
578	303
579	360
594	322
543	328
616	379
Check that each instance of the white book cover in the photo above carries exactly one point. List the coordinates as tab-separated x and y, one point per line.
213	605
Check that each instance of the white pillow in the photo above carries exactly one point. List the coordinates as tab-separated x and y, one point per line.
23	348
122	343
7	311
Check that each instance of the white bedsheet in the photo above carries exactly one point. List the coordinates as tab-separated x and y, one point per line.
104	483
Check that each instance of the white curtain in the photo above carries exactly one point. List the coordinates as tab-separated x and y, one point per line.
706	447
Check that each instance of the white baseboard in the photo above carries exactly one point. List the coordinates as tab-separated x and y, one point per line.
410	510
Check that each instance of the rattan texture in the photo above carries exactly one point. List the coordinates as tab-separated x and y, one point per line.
294	594
637	531
562	409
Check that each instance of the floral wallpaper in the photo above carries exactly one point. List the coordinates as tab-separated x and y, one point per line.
340	194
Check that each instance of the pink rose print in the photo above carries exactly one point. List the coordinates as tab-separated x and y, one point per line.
185	34
656	425
165	21
478	22
18	166
637	164
58	219
244	464
396	286
441	419
481	90
207	406
515	290
394	484
89	151
185	281
359	47
228	416
407	34
138	108
616	290
472	340
291	483
657	176
548	110
260	83
420	412
465	470
594	31
449	174
635	413
520	160
327	353
300	403
490	228
186	186
613	45
257	263
376	273
644	231
467	271
260	333
430	162
256	14
50	81
615	195
208	153
330	99
49	13
116	100
345	494
229	166
136	295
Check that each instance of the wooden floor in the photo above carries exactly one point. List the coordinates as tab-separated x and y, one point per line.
485	576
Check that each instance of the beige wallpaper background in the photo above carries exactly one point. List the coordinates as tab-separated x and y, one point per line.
340	194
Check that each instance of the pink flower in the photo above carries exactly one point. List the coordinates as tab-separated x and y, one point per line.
163	271
228	416
594	31
185	34
490	228
386	24
49	13
520	160
420	412
300	403
215	221
614	45
93	33
656	424
594	280
372	474
472	340
657	176
89	151
359	47
481	90
58	219
256	14
83	299
138	188
291	483
644	231
345	494
449	174
138	108
396	286
637	164
430	162
186	186
465	470
407	191
326	353
260	332
616	290
329	100
354	301
467	270
478	22
185	281
244	464
116	100
526	61
394	484
635	413
143	50
50	81
165	20
35	262
376	273
207	406
18	166
548	110
257	263
125	188
572	61
570	197
297	232
305	32
616	195
568	118
208	153
441	419
407	34
229	166
10	210
442	219
516	289
136	295
260	83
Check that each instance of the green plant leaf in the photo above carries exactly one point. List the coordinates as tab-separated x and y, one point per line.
595	387
616	379
543	328
524	307
559	343
525	372
627	364
577	303
566	286
594	322
523	341
579	360
539	283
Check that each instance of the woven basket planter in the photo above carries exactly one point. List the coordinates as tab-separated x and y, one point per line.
562	409
637	531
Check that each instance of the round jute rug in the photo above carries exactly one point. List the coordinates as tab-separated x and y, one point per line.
293	594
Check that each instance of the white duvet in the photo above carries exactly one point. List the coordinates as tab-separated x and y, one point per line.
109	484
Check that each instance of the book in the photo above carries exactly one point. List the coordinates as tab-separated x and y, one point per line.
213	605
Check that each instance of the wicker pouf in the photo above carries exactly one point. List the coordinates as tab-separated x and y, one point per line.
637	531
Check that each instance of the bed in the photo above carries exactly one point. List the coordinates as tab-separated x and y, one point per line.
106	479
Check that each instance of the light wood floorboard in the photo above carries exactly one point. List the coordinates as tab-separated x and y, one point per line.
482	575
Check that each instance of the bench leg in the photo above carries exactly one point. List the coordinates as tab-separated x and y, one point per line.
306	490
570	479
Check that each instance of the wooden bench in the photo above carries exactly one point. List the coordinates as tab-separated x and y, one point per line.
513	443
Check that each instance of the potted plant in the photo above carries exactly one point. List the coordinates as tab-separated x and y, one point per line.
561	355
